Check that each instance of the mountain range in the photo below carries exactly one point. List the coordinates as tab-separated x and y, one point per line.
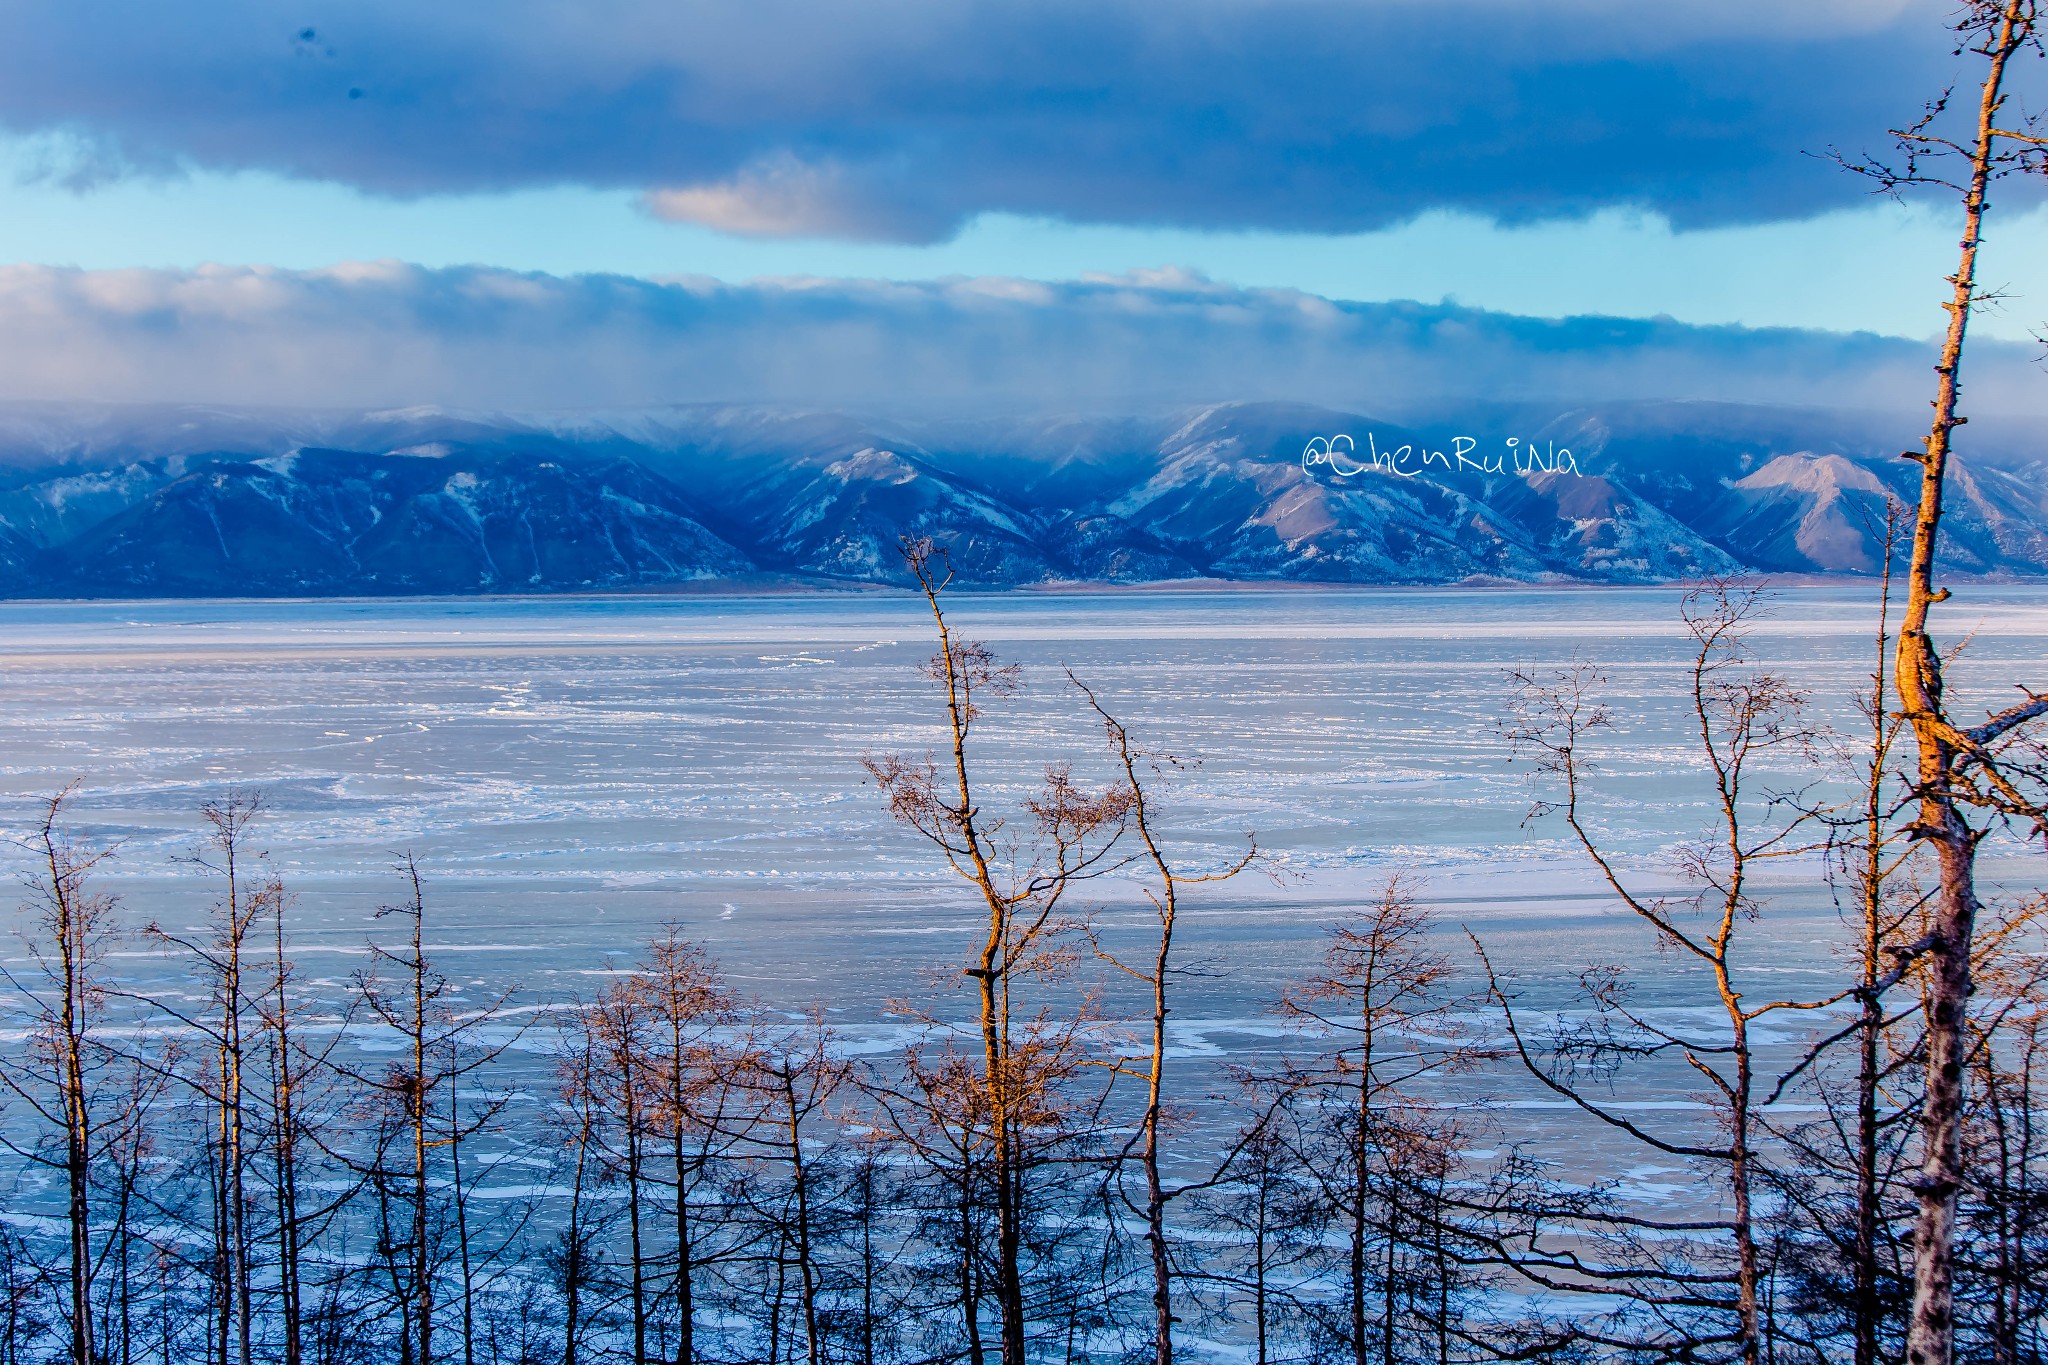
154	501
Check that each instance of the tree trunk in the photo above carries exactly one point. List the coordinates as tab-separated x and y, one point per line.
1871	879
1361	1198
970	1280
72	1082
1746	1266
686	1308
284	1152
1864	1277
1930	1337
572	1254
422	1260
461	1202
635	1245
1003	1161
800	1176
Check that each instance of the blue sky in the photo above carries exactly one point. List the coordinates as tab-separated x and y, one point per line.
1546	158
1874	266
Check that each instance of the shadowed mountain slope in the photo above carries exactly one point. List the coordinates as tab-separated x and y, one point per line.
176	501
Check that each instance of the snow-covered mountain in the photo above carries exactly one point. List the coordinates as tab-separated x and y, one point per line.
190	501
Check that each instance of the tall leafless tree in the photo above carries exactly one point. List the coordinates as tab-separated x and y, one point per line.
247	894
1023	892
575	1247
1266	1205
1163	889
292	1076
2006	1144
1967	779
1383	1021
1876	863
1846	1154
1745	720
794	1076
69	1070
690	1005
622	1024
407	996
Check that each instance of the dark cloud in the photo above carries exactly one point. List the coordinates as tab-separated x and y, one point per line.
391	334
896	119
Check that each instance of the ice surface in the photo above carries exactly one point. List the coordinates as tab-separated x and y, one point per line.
572	772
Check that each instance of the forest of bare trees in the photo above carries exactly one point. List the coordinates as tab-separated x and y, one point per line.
403	1165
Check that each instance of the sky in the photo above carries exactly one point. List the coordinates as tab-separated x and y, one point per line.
1499	161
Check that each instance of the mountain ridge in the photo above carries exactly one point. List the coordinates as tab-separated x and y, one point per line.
107	501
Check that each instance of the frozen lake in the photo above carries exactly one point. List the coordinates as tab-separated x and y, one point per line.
572	772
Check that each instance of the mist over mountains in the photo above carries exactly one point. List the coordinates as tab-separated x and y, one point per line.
125	501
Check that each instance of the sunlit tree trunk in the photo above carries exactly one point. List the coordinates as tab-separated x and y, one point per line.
1946	753
1074	833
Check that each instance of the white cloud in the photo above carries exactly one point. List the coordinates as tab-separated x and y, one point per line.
388	334
783	197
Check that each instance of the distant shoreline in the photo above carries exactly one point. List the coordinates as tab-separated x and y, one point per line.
1172	587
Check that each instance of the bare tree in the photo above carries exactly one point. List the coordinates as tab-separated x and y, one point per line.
663	1107
1163	891
21	1282
441	1046
934	1112
121	1170
621	1023
247	892
1022	890
876	1224
1384	1022
793	1077
1268	1208
292	1073
1839	1243
1876	862
2007	1149
1745	719
574	1249
261	1084
65	1076
1968	778
690	1003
